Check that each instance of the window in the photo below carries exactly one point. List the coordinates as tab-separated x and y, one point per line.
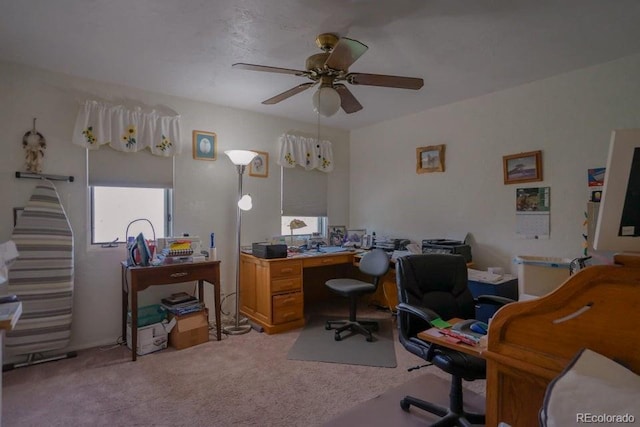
113	208
315	224
304	197
128	186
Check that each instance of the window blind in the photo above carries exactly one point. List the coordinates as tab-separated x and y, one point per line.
108	167
304	193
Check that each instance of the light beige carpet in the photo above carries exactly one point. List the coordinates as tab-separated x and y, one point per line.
241	380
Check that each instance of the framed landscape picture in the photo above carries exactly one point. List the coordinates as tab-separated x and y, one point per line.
205	145
522	167
355	237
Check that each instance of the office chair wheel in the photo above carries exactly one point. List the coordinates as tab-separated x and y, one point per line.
337	336
369	339
405	405
327	326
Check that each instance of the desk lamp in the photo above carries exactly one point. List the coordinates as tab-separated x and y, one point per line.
294	225
240	158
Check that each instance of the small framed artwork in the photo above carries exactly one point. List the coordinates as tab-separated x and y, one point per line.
430	159
205	145
355	237
259	166
522	167
337	234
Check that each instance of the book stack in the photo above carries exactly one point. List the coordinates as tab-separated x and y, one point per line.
182	303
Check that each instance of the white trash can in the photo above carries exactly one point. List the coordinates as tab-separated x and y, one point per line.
537	276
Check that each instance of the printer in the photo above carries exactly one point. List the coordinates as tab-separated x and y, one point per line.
446	246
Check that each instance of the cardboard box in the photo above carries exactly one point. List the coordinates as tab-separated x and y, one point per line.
150	338
190	329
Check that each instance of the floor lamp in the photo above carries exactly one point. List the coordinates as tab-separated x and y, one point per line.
240	158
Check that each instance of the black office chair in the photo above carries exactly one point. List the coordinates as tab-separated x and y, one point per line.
374	263
432	286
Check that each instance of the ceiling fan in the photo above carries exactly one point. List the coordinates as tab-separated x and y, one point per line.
330	68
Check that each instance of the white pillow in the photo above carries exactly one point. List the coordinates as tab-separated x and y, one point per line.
592	389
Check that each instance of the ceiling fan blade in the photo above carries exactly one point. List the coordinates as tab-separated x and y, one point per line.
288	93
345	53
385	81
348	102
253	67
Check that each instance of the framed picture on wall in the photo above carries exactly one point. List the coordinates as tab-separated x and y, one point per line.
205	145
522	167
259	166
430	159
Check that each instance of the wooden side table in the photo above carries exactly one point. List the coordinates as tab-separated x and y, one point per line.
135	279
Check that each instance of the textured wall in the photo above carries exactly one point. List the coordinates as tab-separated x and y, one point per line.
204	191
569	117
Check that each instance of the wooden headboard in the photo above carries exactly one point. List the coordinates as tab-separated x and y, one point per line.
530	342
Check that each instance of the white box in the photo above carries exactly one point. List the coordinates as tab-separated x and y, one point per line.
150	338
537	276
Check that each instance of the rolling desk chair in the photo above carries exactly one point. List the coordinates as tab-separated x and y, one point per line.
374	263
432	286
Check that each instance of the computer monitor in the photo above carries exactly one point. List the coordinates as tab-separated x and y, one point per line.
618	226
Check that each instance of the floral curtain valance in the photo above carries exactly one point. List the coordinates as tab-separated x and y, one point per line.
126	130
306	152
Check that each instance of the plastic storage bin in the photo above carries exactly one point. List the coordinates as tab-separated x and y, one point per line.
537	276
149	315
507	287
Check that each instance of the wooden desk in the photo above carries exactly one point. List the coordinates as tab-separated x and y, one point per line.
135	279
272	292
433	335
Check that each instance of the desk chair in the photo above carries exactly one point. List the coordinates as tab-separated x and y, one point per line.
432	286
374	263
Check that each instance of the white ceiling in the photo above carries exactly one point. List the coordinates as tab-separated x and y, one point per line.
461	48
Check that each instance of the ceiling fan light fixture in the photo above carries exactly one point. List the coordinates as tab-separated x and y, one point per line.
326	101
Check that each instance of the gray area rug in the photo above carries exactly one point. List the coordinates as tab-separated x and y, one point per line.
317	344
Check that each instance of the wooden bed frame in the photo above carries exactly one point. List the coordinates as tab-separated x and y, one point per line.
530	342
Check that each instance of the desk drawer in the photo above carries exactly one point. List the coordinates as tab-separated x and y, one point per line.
286	284
175	273
287	307
285	268
327	260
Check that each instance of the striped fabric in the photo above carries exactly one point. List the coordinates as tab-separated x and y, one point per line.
42	276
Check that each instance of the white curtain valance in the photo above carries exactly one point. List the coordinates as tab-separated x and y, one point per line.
306	152
126	130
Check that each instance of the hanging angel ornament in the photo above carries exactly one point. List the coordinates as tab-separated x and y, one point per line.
34	145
